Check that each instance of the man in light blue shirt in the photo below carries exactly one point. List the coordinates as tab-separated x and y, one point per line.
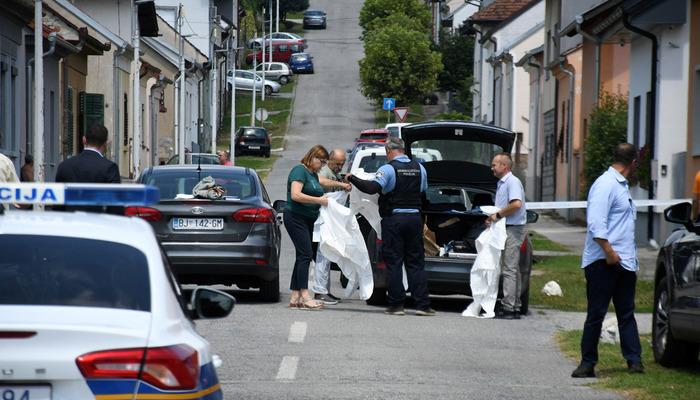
510	198
610	262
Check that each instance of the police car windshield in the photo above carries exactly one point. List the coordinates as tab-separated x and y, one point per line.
182	181
63	271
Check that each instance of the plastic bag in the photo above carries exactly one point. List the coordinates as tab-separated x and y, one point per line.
207	188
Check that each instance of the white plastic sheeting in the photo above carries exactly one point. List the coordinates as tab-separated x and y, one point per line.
341	242
487	267
366	204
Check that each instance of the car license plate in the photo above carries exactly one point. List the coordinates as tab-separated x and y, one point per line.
254	147
25	392
197	224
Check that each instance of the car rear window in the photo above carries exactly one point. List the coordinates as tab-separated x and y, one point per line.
255	132
65	271
313	13
455	150
373	136
300	57
173	182
371	164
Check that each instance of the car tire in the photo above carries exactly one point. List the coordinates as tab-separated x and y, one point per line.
668	351
267	154
270	290
378	297
268	90
284	80
343	280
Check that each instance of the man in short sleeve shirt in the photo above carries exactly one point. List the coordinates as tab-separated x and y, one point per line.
510	198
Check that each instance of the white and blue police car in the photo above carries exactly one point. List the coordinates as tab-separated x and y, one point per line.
88	306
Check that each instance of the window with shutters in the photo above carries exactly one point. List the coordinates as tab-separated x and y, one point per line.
8	107
68	124
91	111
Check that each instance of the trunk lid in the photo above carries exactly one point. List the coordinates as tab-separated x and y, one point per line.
457	152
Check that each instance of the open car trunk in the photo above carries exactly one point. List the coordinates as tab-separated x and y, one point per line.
453	220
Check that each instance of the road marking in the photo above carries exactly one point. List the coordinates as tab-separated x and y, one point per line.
297	332
288	368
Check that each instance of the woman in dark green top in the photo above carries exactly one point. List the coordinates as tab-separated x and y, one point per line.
304	199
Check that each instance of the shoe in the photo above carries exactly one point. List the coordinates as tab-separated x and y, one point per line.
325	299
516	314
309	304
334	297
428	312
635	368
583	371
398	310
508	315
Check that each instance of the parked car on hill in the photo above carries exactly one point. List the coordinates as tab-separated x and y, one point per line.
394	128
281	52
252	140
276	36
276	71
378	135
314	18
195	158
246	79
675	336
301	62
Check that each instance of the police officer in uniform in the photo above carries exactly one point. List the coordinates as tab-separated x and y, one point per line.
401	183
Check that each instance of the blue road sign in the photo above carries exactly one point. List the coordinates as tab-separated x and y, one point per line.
389	103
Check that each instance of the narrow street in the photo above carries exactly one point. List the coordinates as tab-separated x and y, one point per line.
352	350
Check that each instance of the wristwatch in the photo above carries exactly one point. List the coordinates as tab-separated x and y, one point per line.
498	216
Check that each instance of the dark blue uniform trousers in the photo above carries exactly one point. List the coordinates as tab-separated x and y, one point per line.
605	282
402	244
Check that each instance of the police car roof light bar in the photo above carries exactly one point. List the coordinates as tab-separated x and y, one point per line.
78	194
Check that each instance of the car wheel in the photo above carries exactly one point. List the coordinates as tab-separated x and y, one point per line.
343	280
668	351
270	291
268	90
267	154
284	80
378	297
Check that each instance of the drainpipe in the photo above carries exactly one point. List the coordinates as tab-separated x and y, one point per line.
536	135
598	42
651	134
493	84
570	141
136	88
481	73
115	103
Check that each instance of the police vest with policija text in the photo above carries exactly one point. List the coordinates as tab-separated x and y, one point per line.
406	193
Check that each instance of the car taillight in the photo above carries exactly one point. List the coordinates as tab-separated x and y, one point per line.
523	247
173	367
254	215
147	213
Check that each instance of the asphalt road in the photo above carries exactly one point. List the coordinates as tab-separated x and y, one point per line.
354	351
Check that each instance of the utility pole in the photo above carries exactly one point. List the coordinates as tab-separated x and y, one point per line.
232	56
255	70
212	80
255	67
270	35
136	88
277	24
38	92
181	89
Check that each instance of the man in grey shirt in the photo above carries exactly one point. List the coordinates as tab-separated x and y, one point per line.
510	198
322	267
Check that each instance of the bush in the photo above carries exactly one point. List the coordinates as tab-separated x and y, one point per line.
380	9
453	115
608	128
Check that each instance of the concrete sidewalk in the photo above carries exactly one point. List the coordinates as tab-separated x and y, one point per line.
574	236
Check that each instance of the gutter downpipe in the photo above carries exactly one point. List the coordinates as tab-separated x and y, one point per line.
598	42
481	71
136	88
651	135
536	133
570	141
493	84
38	92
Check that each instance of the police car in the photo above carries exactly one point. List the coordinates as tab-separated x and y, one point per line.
88	306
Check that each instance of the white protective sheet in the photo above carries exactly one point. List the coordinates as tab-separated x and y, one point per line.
341	242
366	204
487	267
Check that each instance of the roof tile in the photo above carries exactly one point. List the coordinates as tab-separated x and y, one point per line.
499	10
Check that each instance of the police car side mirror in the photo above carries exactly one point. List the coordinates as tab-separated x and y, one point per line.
532	217
680	214
279	206
207	303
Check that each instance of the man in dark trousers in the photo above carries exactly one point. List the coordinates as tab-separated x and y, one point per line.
401	183
610	262
90	166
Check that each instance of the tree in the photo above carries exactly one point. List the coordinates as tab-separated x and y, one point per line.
607	129
380	9
398	63
400	19
458	60
287	6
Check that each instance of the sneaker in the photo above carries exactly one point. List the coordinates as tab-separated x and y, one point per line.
428	312
635	368
508	315
398	310
583	371
325	299
334	297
